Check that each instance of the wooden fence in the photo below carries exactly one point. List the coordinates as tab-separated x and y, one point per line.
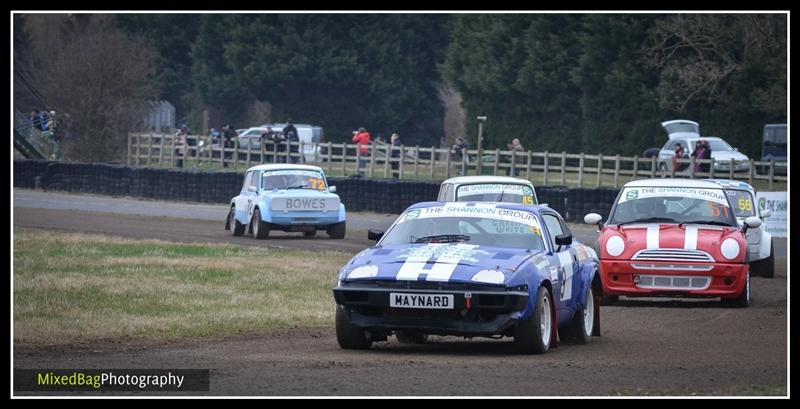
431	163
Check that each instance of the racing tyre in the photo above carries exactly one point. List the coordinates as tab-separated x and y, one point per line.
260	229
583	324
765	267
348	335
534	335
336	231
743	300
405	337
311	233
236	228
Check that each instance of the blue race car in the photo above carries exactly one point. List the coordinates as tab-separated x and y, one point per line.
291	198
471	269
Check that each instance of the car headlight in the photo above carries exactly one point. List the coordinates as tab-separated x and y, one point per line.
490	276
615	245
363	272
729	249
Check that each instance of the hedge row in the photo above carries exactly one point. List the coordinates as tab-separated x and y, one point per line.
376	195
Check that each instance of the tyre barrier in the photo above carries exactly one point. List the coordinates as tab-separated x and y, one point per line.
358	194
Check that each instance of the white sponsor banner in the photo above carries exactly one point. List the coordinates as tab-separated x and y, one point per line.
309	173
635	193
778	204
478	210
494	188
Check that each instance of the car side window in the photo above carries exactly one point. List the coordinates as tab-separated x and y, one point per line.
255	178
554	227
247	179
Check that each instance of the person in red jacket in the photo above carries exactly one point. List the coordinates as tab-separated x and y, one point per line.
362	138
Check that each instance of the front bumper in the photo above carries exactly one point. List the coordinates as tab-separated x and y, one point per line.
489	311
652	278
301	220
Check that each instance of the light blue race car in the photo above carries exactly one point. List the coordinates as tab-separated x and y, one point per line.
291	198
471	269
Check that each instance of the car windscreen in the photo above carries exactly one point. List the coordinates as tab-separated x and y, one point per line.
292	179
480	225
672	205
742	202
495	192
719	145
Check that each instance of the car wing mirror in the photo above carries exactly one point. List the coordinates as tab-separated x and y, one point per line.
374	235
332	189
252	188
563	240
751	222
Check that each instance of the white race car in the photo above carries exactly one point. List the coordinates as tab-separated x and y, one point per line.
759	242
487	189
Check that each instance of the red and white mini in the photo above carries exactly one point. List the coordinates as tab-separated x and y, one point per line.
674	237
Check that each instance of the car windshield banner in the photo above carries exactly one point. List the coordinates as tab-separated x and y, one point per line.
478	210
636	193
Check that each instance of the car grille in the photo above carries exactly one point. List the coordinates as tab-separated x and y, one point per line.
424	285
673	282
672	255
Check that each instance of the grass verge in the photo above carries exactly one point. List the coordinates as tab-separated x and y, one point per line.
77	288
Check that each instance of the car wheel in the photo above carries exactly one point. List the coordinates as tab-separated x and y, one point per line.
534	335
236	228
583	324
410	337
765	267
350	336
337	231
741	301
260	229
311	233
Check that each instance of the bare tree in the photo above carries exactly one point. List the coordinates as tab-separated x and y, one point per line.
698	54
97	78
454	115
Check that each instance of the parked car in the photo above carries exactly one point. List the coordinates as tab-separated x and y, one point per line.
476	269
487	189
674	237
721	152
308	135
291	198
760	249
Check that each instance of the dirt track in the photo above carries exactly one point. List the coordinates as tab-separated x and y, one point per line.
647	347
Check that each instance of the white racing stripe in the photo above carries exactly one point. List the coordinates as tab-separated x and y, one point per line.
442	268
652	236
690	239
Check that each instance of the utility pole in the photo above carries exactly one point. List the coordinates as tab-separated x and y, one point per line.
478	166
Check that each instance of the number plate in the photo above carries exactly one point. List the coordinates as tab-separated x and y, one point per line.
429	301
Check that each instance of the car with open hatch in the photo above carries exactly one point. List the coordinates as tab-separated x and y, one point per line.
286	197
471	269
675	238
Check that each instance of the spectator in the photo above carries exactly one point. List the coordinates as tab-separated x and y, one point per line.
396	144
679	154
35	121
228	137
516	148
699	153
706	155
460	152
180	147
43	121
362	138
292	141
